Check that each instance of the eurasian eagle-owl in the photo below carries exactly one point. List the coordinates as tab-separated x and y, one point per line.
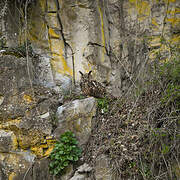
90	87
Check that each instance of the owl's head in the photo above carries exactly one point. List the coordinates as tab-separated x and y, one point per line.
86	77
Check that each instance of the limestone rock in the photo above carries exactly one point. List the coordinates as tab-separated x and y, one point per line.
16	164
79	177
82	173
3	176
68	174
26	109
103	169
40	170
1	99
76	116
8	141
85	168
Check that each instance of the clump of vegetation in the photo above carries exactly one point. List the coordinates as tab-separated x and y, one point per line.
103	105
65	152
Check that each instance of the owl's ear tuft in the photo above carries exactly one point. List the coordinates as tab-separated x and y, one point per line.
81	73
89	73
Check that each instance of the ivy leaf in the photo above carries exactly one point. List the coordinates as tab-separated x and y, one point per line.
70	158
61	152
75	158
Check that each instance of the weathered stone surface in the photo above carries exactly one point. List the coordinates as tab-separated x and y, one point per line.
82	173
40	170
115	38
3	176
16	164
8	141
79	177
26	109
68	174
28	169
85	168
13	78
1	99
76	116
103	169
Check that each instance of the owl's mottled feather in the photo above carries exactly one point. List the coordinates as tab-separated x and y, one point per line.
91	87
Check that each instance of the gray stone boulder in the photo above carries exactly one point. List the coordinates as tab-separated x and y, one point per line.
82	173
76	116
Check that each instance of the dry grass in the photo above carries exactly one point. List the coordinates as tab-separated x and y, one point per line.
140	135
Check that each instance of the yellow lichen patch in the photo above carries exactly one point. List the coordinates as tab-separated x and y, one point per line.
58	62
154	22
173	11
12	176
14	142
168	1
51	141
48	151
102	34
44	146
28	139
37	150
173	21
11	124
44	150
27	98
60	65
52	33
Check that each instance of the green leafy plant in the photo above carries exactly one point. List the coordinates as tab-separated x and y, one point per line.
103	105
65	152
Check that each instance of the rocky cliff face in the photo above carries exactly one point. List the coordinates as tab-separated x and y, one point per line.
115	39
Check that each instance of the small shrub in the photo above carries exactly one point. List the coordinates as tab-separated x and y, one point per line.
103	105
65	152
